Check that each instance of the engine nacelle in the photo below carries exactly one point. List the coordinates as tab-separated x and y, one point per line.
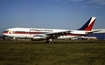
39	37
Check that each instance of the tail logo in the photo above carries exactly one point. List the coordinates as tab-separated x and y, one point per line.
89	24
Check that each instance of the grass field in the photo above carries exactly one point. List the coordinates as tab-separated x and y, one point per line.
59	53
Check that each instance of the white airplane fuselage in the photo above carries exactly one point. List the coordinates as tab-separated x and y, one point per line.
36	33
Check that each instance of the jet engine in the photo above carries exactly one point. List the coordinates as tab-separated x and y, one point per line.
39	37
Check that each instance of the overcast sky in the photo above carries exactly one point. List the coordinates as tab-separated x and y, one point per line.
60	14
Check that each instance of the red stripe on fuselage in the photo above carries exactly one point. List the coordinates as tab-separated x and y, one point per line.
24	32
39	33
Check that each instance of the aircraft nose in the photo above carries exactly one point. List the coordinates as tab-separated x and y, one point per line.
4	32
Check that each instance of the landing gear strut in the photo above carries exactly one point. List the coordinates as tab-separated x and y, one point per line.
49	40
14	39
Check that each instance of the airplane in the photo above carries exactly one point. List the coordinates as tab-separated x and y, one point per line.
50	34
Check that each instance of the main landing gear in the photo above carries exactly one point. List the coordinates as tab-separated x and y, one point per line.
14	39
49	40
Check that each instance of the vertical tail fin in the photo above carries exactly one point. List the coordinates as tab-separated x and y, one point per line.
89	24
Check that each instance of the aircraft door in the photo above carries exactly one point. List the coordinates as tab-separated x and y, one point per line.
10	32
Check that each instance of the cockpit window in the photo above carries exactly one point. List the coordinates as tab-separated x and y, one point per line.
6	31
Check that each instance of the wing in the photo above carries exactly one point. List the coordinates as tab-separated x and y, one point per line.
57	34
